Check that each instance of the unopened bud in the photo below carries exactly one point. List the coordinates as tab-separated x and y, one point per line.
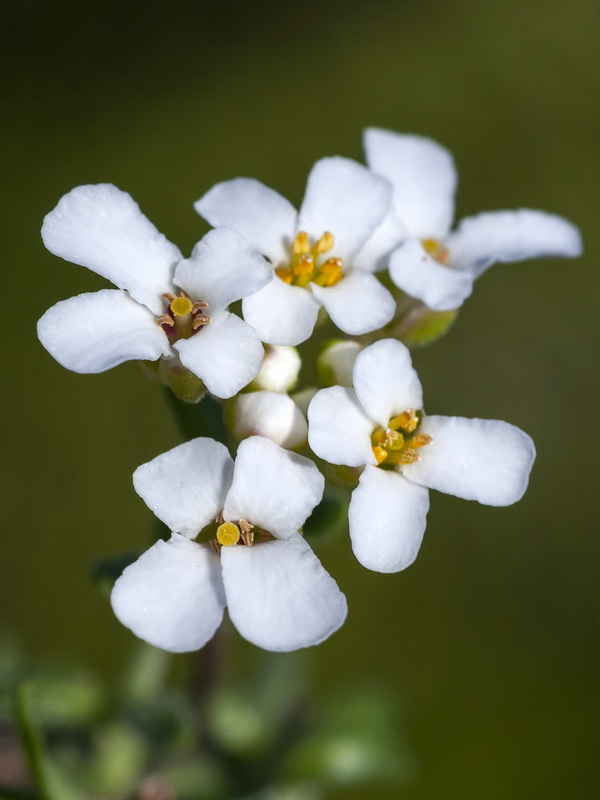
336	361
270	414
279	370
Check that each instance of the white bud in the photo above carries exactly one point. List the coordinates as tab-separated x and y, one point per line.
270	414
336	362
279	370
303	398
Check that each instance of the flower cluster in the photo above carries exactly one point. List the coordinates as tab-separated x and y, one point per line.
369	246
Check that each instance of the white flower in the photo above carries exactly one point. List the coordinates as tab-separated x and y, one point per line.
102	228
432	264
277	592
271	414
379	424
312	252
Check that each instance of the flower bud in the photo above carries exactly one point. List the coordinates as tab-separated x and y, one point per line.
183	383
336	361
270	414
279	370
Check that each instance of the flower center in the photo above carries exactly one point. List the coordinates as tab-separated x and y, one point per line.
309	262
238	533
436	250
184	317
400	441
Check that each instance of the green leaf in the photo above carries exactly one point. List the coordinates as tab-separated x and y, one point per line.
49	780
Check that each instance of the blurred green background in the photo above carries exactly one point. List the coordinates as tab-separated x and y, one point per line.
489	642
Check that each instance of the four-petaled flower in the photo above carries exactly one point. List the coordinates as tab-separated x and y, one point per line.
432	264
165	307
277	593
312	251
380	425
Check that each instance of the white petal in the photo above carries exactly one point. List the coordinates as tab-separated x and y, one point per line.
346	199
485	239
102	228
423	175
272	488
387	517
279	596
440	287
262	216
385	381
226	354
172	596
358	303
223	268
268	414
339	431
281	314
477	459
375	253
96	331
186	486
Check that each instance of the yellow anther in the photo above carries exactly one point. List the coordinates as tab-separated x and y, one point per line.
408	421
304	266
436	250
378	436
380	454
393	440
301	244
285	274
431	246
407	456
330	272
228	534
324	245
420	440
181	306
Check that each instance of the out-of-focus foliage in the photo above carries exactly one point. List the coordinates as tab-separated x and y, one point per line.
261	731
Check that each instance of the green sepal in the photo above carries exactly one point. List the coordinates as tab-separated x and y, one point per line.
184	384
423	326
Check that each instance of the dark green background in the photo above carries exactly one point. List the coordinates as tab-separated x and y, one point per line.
490	639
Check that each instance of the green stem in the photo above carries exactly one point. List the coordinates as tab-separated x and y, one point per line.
202	419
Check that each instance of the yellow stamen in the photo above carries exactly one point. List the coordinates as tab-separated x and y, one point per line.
431	246
228	534
407	456
393	440
408	421
380	454
285	274
420	440
181	306
301	244
436	250
330	272
304	266
324	245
